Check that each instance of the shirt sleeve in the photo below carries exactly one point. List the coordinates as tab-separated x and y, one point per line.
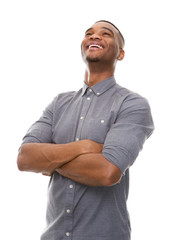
41	130
127	135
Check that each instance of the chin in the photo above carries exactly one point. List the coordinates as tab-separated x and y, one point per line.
93	59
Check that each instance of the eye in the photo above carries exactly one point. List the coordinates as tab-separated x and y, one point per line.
106	34
88	34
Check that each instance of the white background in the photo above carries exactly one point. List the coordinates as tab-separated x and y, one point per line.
40	57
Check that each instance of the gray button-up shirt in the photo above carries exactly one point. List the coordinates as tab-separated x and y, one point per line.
106	113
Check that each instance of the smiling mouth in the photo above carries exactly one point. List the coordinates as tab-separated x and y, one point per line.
95	46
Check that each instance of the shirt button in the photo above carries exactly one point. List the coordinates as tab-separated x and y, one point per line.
102	121
67	234
90	90
81	117
77	139
68	211
70	186
98	93
88	98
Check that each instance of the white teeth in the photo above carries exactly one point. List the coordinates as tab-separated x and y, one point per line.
95	45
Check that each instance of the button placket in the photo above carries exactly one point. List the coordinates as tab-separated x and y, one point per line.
68	209
87	98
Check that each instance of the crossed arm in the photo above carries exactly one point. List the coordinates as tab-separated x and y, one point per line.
81	161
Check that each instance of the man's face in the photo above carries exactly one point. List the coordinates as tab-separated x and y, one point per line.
101	43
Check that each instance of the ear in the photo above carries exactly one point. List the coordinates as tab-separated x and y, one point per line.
121	54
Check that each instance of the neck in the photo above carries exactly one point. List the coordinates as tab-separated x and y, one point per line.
95	74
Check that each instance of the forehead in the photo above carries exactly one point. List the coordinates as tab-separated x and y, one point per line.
104	25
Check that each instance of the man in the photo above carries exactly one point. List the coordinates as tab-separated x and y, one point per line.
86	141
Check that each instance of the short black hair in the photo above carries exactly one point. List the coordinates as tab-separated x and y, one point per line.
121	35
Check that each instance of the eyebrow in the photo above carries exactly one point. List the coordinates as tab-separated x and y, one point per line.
102	28
88	30
108	29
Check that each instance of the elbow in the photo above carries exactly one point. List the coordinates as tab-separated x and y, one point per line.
20	164
112	176
22	159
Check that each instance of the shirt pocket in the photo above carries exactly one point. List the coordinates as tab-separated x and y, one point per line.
95	129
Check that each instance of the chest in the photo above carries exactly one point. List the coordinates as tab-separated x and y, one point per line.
87	117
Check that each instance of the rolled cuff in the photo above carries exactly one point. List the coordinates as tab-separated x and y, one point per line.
123	159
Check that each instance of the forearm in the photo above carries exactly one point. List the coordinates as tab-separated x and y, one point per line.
92	170
45	157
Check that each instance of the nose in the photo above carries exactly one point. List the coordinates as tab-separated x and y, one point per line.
95	36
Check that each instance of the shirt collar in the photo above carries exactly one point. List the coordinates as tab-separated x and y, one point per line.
100	87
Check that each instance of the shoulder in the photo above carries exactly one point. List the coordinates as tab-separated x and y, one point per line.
128	98
134	109
65	97
61	101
